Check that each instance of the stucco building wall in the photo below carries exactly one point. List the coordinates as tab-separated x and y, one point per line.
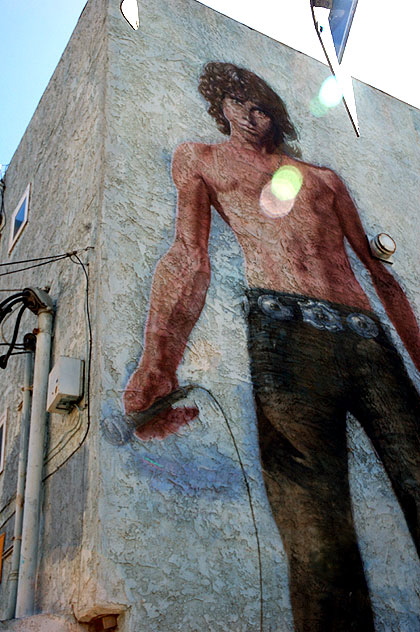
61	156
153	106
166	530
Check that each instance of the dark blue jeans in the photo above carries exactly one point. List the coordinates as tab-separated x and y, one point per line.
311	363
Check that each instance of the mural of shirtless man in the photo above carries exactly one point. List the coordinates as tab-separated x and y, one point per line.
316	348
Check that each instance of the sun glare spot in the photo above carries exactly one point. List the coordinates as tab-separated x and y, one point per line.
286	182
317	108
330	93
329	96
278	196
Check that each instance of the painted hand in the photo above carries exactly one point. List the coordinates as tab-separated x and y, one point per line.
142	390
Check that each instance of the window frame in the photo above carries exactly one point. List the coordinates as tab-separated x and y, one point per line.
3	424
14	236
2	541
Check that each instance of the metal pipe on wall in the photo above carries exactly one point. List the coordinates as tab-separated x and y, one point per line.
21	478
30	531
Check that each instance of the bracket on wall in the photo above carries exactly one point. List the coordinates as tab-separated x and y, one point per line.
107	622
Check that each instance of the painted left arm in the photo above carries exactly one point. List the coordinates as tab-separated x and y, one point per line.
389	291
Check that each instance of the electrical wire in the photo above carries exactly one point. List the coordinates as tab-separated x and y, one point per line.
37	265
63	254
193	387
4	359
90	346
63	442
20	353
61	445
12	300
43	260
19	295
73	256
250	501
3	320
9	302
88	370
5	506
8	308
11	515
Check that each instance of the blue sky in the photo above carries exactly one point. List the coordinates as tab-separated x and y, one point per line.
33	35
383	48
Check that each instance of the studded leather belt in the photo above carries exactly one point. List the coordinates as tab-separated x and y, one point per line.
319	314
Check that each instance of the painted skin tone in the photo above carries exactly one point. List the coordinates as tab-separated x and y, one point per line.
302	252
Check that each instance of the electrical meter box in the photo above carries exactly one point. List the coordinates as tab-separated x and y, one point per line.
65	385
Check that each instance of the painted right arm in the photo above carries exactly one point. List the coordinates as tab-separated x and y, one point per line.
179	289
387	287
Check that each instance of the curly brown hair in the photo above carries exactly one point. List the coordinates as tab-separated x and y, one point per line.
220	80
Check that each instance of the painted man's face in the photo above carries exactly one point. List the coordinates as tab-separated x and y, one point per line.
247	119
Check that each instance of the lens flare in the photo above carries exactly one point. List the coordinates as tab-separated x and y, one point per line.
330	93
317	108
329	96
286	182
278	196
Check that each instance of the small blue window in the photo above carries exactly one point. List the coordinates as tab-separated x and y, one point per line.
19	218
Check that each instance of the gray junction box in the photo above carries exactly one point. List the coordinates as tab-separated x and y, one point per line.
65	385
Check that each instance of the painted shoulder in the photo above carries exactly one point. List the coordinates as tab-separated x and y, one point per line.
190	157
325	174
192	151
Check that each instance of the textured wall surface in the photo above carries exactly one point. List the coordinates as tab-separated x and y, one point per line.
61	156
164	528
175	513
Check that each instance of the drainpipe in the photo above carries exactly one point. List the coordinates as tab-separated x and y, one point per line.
23	456
41	304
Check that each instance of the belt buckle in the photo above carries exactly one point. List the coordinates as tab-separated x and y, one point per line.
320	316
271	306
363	325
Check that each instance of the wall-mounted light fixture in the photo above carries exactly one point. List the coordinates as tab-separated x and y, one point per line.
130	10
382	247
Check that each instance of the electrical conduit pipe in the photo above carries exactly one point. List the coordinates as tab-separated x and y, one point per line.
30	530
23	456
